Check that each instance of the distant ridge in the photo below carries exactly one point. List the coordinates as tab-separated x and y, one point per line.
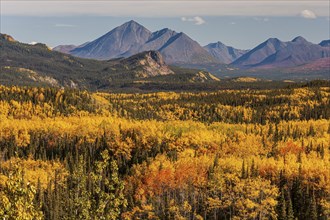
223	53
67	48
274	53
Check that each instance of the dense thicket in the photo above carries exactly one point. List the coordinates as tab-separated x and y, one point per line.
250	154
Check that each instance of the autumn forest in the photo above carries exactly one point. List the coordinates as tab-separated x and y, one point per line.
249	154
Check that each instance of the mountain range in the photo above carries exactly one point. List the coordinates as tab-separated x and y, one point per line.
131	38
274	53
181	50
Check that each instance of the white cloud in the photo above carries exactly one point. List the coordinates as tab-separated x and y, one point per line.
308	14
196	20
233	23
33	43
64	25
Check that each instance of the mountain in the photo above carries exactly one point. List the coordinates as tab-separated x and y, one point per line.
67	48
223	53
274	53
325	43
37	65
64	48
259	53
297	52
132	38
182	49
124	40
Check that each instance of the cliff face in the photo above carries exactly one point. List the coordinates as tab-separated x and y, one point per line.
147	64
7	37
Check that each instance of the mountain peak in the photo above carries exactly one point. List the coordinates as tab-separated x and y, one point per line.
181	34
163	31
217	44
273	40
122	41
220	43
299	39
131	24
325	43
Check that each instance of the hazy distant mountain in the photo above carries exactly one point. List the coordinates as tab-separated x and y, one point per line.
274	53
68	48
182	49
64	48
297	52
259	53
223	53
325	43
132	38
124	40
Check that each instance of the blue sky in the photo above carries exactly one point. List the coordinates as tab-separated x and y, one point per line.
242	24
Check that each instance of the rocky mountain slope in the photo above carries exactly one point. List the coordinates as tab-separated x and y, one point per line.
147	64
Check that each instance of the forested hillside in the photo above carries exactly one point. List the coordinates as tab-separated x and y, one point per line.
37	65
230	154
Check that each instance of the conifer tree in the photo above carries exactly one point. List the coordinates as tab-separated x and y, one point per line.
313	208
282	207
290	214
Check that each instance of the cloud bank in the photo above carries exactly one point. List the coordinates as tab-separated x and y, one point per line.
308	14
